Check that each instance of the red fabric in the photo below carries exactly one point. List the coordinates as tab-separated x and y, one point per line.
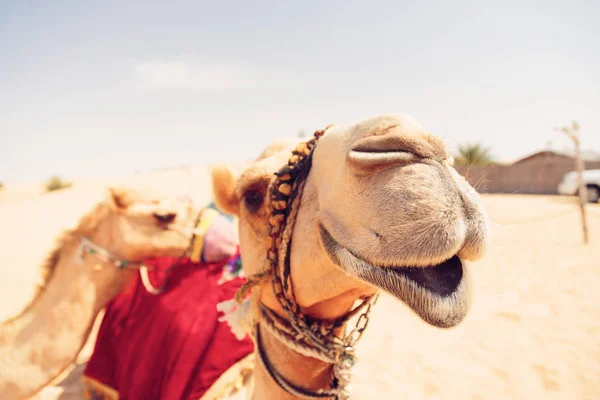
167	346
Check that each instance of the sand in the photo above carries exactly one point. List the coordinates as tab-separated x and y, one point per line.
533	331
534	328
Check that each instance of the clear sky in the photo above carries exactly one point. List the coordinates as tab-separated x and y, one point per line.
100	88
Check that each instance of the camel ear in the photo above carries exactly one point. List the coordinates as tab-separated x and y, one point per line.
224	181
119	197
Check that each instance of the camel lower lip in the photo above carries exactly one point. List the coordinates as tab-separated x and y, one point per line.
442	278
436	293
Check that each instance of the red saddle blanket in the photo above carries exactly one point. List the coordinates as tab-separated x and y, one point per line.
171	345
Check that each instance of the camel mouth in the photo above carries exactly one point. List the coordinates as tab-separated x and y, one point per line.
437	293
442	279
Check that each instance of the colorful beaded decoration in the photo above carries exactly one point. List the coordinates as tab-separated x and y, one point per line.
232	269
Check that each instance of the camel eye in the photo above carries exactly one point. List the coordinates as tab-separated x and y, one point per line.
253	200
165	218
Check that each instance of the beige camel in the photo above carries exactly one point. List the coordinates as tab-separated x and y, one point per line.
90	265
381	208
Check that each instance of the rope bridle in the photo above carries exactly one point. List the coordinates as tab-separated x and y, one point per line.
311	337
87	246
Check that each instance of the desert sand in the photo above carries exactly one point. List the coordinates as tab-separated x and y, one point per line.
533	331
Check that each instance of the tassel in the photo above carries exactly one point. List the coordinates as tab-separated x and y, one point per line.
234	314
251	282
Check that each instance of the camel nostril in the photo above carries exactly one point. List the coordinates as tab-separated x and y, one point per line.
362	160
165	218
386	147
384	144
395	144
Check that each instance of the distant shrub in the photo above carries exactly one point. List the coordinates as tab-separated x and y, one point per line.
473	154
1	185
57	183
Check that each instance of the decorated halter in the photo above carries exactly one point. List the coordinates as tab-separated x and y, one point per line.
310	337
87	246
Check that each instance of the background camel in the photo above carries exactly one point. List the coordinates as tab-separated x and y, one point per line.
40	342
382	209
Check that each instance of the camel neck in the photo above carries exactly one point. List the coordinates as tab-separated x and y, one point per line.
44	339
303	372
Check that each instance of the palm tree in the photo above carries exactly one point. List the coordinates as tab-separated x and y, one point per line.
473	154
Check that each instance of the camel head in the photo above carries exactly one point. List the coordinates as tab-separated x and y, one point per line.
132	225
382	209
135	225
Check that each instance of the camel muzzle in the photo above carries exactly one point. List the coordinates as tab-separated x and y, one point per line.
437	293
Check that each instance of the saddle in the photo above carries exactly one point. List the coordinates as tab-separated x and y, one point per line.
171	345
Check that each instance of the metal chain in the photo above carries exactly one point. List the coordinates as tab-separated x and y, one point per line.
288	187
362	323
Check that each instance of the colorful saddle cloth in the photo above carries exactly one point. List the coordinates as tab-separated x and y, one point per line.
168	346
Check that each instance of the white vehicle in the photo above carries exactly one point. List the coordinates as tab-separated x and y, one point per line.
591	178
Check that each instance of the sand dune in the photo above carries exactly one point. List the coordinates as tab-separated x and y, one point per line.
533	332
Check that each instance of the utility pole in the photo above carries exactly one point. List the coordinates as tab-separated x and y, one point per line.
573	133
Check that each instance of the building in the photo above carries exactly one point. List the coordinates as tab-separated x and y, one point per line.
537	173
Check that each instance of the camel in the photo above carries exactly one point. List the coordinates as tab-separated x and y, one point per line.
89	266
324	226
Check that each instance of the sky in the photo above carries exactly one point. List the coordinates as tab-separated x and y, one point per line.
107	88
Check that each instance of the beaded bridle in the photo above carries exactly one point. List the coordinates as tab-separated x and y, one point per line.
316	338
